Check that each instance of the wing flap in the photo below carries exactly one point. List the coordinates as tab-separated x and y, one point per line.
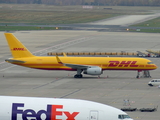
76	66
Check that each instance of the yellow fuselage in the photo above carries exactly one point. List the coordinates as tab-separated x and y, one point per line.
106	63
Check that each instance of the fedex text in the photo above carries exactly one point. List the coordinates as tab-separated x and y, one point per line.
50	113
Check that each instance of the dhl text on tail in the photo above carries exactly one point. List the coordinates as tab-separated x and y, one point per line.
87	65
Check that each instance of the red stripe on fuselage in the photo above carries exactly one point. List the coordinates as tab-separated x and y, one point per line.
70	69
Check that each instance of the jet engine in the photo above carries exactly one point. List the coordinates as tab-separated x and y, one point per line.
94	70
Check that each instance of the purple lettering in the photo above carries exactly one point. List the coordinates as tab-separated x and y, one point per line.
50	114
28	113
47	113
15	110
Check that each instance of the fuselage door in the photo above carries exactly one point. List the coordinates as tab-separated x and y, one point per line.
93	115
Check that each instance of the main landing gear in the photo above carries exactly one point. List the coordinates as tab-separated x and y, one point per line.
78	75
146	74
138	74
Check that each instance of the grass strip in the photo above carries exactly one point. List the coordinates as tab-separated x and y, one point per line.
17	28
150	23
145	30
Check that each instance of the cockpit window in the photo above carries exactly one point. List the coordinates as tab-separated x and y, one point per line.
120	117
150	62
123	117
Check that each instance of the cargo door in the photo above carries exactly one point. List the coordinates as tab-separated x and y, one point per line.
93	115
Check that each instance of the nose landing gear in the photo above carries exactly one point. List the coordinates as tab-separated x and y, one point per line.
146	74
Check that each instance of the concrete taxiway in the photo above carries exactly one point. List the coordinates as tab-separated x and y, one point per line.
112	88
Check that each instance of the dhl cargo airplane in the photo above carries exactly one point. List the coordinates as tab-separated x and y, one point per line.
33	108
88	65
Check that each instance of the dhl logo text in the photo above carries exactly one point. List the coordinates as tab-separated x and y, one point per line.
51	113
122	64
18	49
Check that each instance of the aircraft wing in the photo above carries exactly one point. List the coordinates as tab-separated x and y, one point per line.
74	66
139	52
154	52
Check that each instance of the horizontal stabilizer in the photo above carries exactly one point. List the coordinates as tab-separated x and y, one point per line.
14	61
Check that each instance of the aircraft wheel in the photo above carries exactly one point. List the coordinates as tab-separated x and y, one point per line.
78	76
75	76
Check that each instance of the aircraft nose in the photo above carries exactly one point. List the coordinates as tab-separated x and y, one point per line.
155	66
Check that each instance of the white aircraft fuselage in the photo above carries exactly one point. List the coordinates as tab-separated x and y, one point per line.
32	108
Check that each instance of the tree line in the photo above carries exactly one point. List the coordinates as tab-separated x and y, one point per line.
87	2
